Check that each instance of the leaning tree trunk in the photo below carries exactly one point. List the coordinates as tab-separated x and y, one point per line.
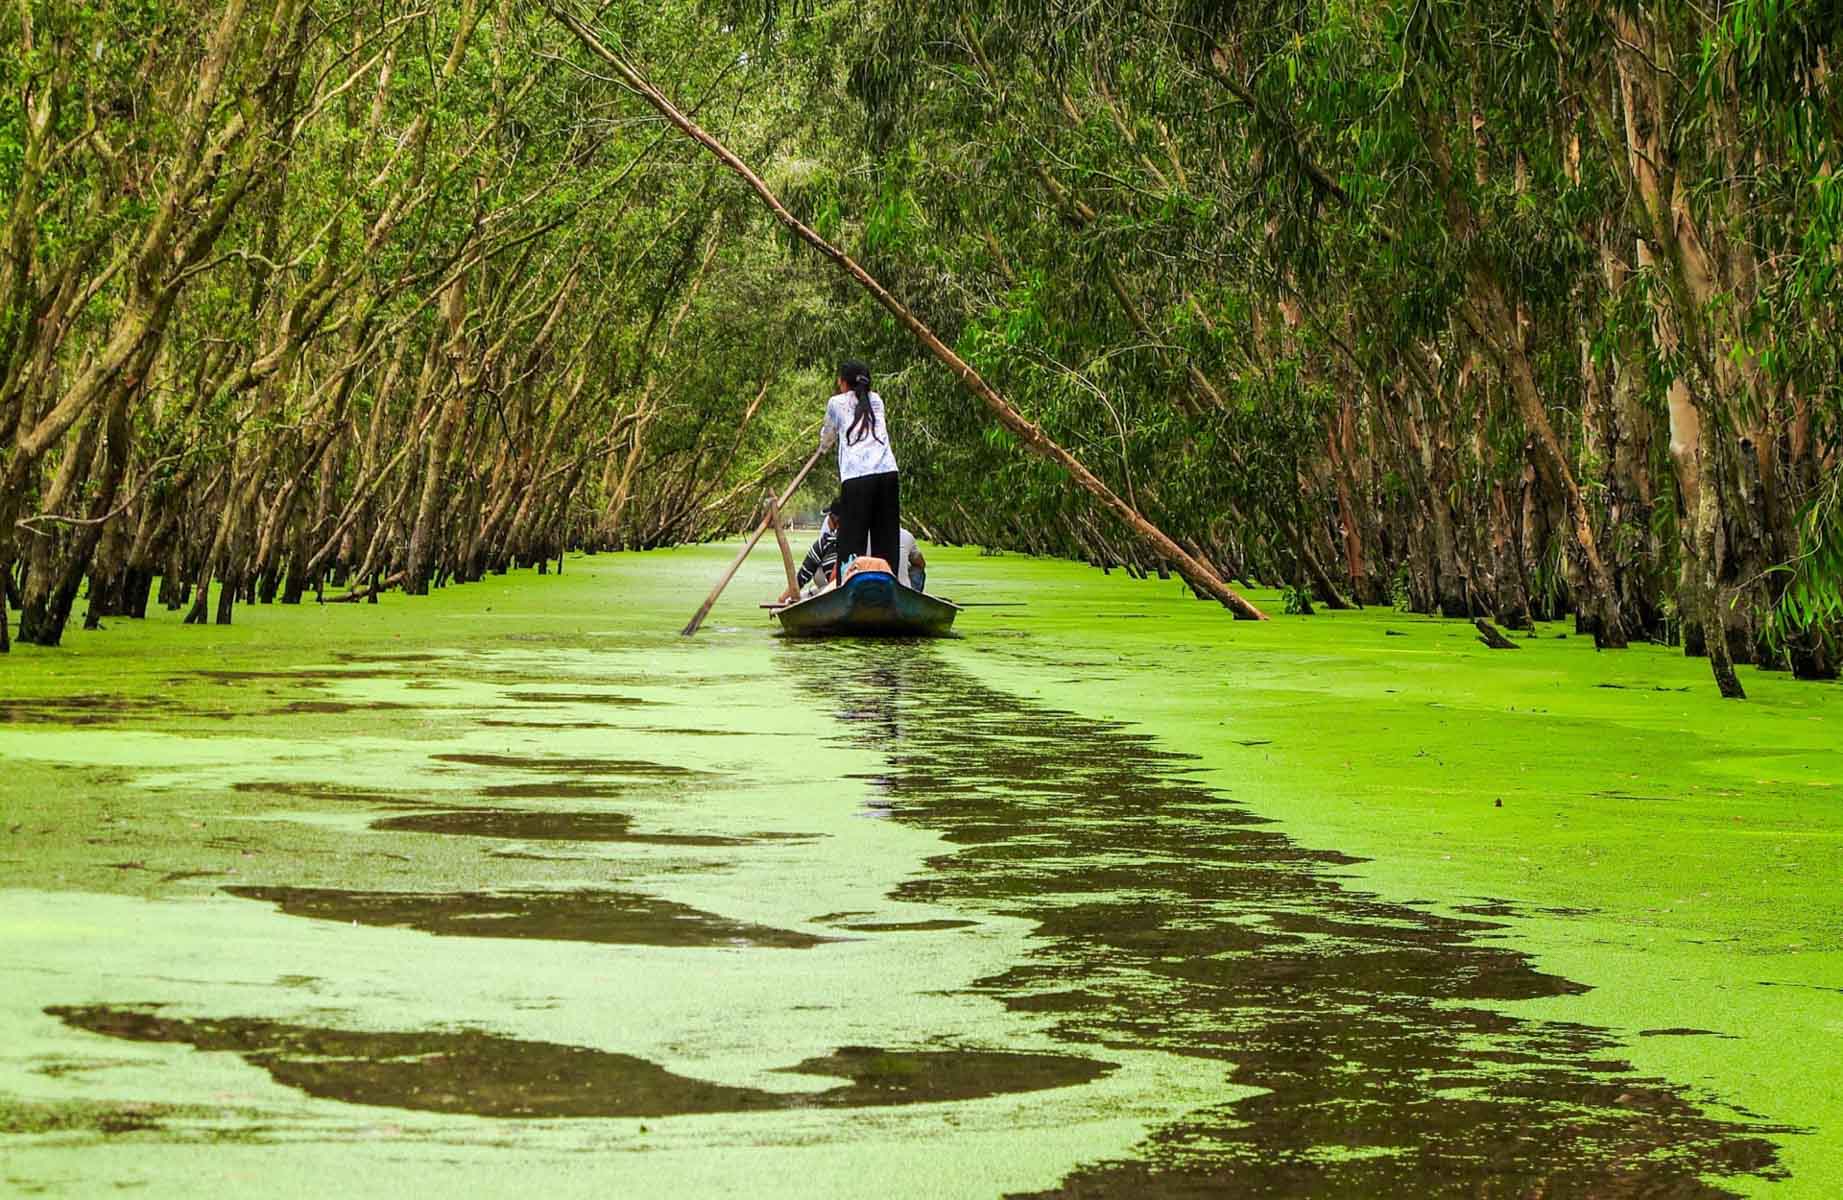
114	455
45	564
422	535
1156	539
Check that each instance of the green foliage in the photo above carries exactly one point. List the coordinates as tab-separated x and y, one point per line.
1280	275
1813	595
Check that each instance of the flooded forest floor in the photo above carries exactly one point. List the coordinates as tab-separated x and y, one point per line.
512	888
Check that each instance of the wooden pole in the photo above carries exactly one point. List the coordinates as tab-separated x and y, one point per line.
703	611
1200	574
780	535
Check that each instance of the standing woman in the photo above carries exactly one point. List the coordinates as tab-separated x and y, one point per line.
871	498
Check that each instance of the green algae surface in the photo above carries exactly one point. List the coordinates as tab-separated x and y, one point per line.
511	885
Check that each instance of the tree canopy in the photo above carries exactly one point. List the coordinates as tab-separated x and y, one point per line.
1506	310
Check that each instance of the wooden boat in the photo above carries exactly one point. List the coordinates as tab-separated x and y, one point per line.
869	604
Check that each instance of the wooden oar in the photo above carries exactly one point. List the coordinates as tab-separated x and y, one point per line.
703	611
787	555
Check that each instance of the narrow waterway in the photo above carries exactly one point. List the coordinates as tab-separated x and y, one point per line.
551	895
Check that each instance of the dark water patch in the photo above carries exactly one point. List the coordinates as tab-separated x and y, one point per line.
1685	1031
1373	1028
527	856
547	724
546	827
907	926
1218	815
551	765
310	677
1492	906
559	789
64	1068
487	1075
181	876
30	1117
87	709
932	1076
621	918
336	793
352	656
682	731
602	698
301	707
1810	987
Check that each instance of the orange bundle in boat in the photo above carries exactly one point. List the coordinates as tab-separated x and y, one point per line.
868	562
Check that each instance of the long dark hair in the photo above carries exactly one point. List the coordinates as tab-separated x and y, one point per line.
864	420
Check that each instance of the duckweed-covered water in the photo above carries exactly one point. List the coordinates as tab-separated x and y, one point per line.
511	889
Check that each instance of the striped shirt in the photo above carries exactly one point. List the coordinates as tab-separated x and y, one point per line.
821	559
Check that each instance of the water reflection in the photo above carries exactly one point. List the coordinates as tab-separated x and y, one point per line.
1170	918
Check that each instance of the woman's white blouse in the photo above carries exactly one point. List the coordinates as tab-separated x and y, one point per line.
871	453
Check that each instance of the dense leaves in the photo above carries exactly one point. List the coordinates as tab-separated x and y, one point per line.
300	294
1496	308
1502	309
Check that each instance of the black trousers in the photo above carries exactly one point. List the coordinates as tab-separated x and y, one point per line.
871	513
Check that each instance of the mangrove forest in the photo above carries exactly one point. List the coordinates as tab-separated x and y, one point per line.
1510	311
893	598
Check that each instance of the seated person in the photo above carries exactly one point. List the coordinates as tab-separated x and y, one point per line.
821	559
911	567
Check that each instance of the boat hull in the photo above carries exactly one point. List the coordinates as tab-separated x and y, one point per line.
870	604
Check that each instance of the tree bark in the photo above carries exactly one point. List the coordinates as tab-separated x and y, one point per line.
1498	329
46	624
